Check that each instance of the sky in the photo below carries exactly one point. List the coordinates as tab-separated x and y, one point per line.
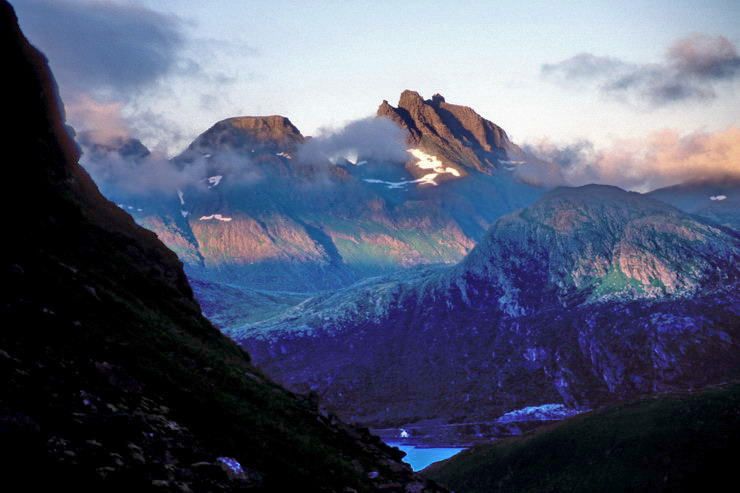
550	73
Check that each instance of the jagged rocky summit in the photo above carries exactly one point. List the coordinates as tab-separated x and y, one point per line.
112	380
589	296
457	133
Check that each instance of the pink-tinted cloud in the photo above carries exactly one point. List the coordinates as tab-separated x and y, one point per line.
102	122
663	158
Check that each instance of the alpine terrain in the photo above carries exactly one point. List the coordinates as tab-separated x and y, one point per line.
589	296
270	209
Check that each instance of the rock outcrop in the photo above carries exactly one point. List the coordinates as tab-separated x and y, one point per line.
457	133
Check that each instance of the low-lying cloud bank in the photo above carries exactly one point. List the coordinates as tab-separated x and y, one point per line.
126	167
368	138
693	69
663	158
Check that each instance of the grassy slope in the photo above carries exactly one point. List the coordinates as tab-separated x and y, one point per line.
674	442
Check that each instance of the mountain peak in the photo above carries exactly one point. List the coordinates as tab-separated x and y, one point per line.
452	132
607	243
271	134
438	98
410	99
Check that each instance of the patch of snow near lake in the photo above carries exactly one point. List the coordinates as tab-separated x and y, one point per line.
285	155
718	197
543	412
215	216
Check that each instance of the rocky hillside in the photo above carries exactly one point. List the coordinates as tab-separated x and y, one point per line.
673	443
261	214
112	378
591	295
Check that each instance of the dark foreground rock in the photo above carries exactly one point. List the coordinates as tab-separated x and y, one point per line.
112	380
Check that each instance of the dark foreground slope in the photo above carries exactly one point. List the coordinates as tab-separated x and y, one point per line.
676	442
112	380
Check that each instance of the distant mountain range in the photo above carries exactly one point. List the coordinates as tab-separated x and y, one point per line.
261	215
590	295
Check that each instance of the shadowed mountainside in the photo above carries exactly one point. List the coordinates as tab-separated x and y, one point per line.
112	378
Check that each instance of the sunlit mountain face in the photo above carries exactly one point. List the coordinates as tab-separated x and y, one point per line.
589	296
260	206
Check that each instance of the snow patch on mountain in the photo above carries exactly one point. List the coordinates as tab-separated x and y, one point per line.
428	161
389	184
218	217
182	196
718	197
424	161
214	180
129	207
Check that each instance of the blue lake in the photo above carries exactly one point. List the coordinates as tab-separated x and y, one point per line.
419	458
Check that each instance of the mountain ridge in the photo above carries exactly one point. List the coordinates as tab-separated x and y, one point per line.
259	214
591	295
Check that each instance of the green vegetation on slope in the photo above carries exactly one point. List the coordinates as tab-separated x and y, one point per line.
674	442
